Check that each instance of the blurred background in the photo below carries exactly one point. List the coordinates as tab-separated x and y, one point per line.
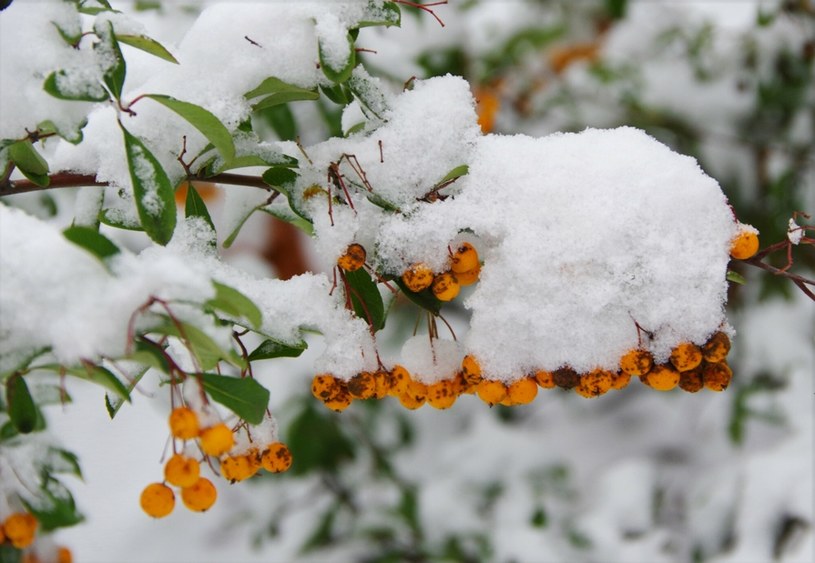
632	476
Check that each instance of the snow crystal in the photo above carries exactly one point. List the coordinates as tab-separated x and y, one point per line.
794	232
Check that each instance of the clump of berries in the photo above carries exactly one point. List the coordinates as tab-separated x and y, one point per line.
184	472
464	269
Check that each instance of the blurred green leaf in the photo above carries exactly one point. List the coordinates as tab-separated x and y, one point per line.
273	349
92	241
339	75
235	304
21	408
55	506
388	14
148	45
317	442
244	396
194	206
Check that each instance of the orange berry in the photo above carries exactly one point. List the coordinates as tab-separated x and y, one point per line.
462	386
418	277
620	380
692	380
716	348
717	376
523	391
565	378
487	106
662	378
331	391
184	423
414	396
353	259
20	529
199	496
401	380
237	468
545	379
744	245
181	471
445	287
276	458
157	500
469	277
471	369
464	259
442	394
491	391
636	362
384	383
362	385
594	383
686	356
216	440
64	555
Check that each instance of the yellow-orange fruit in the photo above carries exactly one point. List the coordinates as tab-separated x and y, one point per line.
636	362
716	348
200	496
565	378
362	385
469	277
216	440
184	423
418	277
717	376
64	555
522	391
20	529
620	380
471	369
744	245
400	380
181	471
442	394
594	383
487	106
414	396
461	386
384	382
545	379
157	500
237	468
662	378
353	259
491	392
331	391
464	259
691	380
445	287
276	458
686	356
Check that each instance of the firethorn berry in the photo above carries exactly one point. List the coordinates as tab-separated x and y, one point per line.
716	348
744	245
362	385
636	362
353	259
662	377
442	394
184	423
181	471
620	380
565	378
445	287
523	391
491	391
471	369
686	356
157	500
418	277
692	380
594	383
276	458
544	379
199	496
236	468
216	440
414	396
64	555
20	528
469	277
401	380
331	391
384	383
462	386
464	259
717	376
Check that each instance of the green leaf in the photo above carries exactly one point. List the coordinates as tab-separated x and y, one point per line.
455	173
148	45
108	48
337	94
69	85
204	348
71	134
317	442
30	162
71	36
63	461
282	121
114	404
245	397
235	304
154	194
388	15
269	349
343	73
736	277
286	215
234	234
366	299
195	207
92	241
55	506
21	408
209	125
101	376
113	218
273	85
279	176
424	299
616	8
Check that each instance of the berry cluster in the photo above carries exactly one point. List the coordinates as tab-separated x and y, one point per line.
19	529
199	493
464	270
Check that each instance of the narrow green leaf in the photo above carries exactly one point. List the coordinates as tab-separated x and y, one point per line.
339	75
388	15
55	506
424	299
355	128
30	162
69	85
280	98
269	349
21	408
114	404
456	172
195	206
336	94
203	347
203	120
92	241
101	376
63	461
154	194
108	48
148	45
281	119
118	220
71	134
286	215
234	234
71	36
279	176
245	397
366	299
273	85
736	277
235	304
